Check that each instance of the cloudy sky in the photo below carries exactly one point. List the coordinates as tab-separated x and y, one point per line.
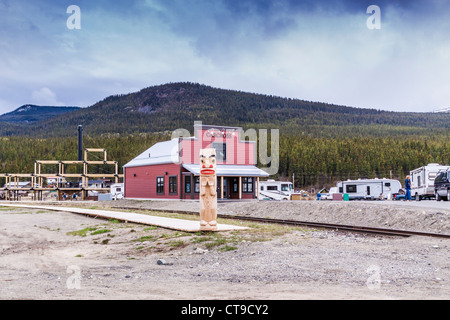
313	50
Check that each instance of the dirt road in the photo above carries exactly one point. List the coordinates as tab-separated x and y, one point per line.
58	255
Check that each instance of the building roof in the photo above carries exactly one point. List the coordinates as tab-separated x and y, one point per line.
230	170
160	153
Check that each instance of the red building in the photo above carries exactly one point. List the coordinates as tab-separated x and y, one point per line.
171	170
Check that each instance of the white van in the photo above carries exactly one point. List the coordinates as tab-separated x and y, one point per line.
275	190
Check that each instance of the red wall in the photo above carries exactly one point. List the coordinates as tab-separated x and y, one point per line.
238	153
143	185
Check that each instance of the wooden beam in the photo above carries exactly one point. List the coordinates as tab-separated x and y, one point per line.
101	162
240	188
95	150
48	161
257	188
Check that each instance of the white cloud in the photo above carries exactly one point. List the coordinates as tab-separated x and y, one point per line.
311	55
45	97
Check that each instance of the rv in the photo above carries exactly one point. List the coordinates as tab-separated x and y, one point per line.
117	191
275	190
369	189
422	180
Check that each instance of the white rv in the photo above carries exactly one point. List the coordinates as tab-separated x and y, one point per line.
369	189
117	191
422	180
275	190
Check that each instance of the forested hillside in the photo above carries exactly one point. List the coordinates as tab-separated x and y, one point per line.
178	105
319	143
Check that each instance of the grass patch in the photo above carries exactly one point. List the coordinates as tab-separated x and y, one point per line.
176	244
201	239
81	233
146	238
100	231
227	248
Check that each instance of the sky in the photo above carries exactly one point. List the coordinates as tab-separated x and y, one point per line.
326	51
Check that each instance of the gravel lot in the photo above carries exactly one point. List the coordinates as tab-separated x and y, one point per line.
58	255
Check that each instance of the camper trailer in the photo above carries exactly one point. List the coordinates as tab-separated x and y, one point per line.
422	180
275	190
117	191
369	189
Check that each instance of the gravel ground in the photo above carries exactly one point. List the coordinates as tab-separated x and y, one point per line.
42	257
425	216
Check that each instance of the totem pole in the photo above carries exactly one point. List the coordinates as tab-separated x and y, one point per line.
208	192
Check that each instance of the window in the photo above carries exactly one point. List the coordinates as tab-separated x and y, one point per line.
351	188
173	185
387	184
247	185
236	185
197	184
160	185
221	151
272	188
187	184
284	187
432	175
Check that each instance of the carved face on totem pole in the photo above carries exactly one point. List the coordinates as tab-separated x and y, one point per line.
208	162
208	192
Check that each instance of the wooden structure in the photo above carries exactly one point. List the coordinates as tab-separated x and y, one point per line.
14	185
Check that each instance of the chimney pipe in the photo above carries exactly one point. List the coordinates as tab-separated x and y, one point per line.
80	143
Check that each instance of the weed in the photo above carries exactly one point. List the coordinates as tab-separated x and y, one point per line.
100	231
145	238
227	248
81	233
176	244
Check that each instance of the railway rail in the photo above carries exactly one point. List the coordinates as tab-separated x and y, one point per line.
318	225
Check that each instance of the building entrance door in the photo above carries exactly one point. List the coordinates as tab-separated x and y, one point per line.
226	188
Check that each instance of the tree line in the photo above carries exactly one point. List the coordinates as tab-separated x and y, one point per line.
314	161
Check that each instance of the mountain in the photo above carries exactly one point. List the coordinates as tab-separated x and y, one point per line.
31	113
177	105
444	110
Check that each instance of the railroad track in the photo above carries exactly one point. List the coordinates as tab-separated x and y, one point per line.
340	227
318	225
